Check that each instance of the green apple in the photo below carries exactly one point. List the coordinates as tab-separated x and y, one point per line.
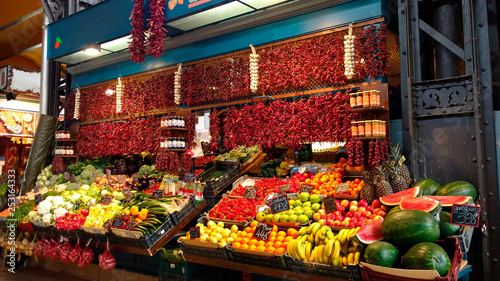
297	203
284	218
290	212
268	218
276	218
315	198
304	196
306	204
298	211
291	202
309	213
261	216
293	218
315	207
306	208
303	219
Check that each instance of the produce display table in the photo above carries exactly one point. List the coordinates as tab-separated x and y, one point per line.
272	272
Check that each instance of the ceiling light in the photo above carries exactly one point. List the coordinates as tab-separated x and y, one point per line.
11	96
109	92
92	49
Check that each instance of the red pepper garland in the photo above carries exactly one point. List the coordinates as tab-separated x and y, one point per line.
58	165
95	104
167	161
214	130
190	135
156	29
69	108
355	153
371	53
138	44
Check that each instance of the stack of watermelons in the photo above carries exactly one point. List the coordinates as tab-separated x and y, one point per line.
420	216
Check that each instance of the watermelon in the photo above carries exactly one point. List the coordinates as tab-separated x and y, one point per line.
423	204
458	188
395	209
408	227
371	232
445	226
448	201
427	256
428	186
395	199
382	254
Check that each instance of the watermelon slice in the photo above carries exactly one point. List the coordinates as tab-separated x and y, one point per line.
371	232
448	201
427	205
395	199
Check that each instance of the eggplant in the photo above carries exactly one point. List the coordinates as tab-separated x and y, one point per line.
131	168
148	159
114	172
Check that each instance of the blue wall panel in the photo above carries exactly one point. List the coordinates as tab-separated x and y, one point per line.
305	24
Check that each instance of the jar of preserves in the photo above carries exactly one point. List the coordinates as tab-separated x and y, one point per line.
366	99
383	133
361	129
354	129
352	100
359	99
374	98
368	129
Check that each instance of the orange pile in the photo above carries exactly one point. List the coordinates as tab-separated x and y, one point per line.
277	243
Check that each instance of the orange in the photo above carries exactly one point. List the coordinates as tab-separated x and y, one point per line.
261	243
292	232
249	235
260	248
243	234
247	229
245	246
277	244
280	251
342	160
275	228
339	180
244	240
254	224
284	245
236	245
288	238
238	239
252	247
281	233
272	239
273	234
269	244
270	249
253	229
280	238
252	242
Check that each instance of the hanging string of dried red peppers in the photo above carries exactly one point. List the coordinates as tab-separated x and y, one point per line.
156	29
138	44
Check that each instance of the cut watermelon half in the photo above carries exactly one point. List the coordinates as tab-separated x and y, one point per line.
395	199
448	201
371	232
427	205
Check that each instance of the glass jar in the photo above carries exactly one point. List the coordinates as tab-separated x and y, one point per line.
359	99
352	100
361	129
366	99
183	122
368	129
68	135
354	129
383	133
169	121
162	143
169	143
374	98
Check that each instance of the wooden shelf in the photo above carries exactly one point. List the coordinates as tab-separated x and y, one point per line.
68	140
367	109
175	150
67	156
369	138
267	271
174	129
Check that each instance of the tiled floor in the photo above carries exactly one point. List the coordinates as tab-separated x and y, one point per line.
38	274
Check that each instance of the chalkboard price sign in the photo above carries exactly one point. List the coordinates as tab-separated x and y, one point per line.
131	225
72	179
38	198
152	182
194	232
330	204
188	177
279	204
285	187
36	189
232	160
250	192
66	176
135	178
78	186
107	224
306	188
342	187
126	190
157	194
121	179
465	215
129	196
263	231
53	180
94	173
106	199
118	223
108	173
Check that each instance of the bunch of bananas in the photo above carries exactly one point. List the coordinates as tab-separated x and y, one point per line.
318	243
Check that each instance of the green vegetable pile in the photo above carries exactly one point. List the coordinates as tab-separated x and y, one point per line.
268	169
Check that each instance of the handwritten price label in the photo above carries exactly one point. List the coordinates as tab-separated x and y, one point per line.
130	196
285	187
38	198
330	204
131	225
108	173
118	223
106	199
465	215
263	231
66	176
107	224
194	232
306	188
157	194
126	190
342	187
135	178
250	192
152	183
279	204
36	189
121	179
188	177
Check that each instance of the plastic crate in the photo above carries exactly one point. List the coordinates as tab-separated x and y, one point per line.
43	228
212	200
87	234
350	272
146	241
257	258
229	174
227	223
203	249
450	245
179	216
465	238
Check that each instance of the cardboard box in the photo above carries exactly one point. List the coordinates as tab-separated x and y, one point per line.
80	271
70	268
106	275
92	271
148	278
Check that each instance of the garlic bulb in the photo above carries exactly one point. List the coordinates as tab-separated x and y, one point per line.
254	70
349	62
76	113
177	85
119	95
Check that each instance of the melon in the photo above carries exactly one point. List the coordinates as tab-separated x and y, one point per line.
393	210
371	232
448	201
423	204
428	186
427	256
445	226
395	198
408	227
458	188
382	254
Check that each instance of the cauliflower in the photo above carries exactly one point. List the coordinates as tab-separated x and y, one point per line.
49	198
92	202
47	218
58	201
59	212
85	187
44	207
68	205
75	197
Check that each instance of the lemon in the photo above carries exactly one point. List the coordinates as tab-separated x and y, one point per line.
234	228
220	224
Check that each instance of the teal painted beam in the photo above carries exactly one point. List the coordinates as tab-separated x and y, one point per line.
324	19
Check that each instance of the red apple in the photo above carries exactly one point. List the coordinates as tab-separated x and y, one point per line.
361	209
376	210
354	220
360	224
344	224
356	215
336	223
337	213
349	214
376	203
329	222
366	214
370	208
353	203
372	216
345	203
351	224
382	214
339	218
341	209
362	203
353	208
322	216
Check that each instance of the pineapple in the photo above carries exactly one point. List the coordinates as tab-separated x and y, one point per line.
368	190
402	179
383	187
